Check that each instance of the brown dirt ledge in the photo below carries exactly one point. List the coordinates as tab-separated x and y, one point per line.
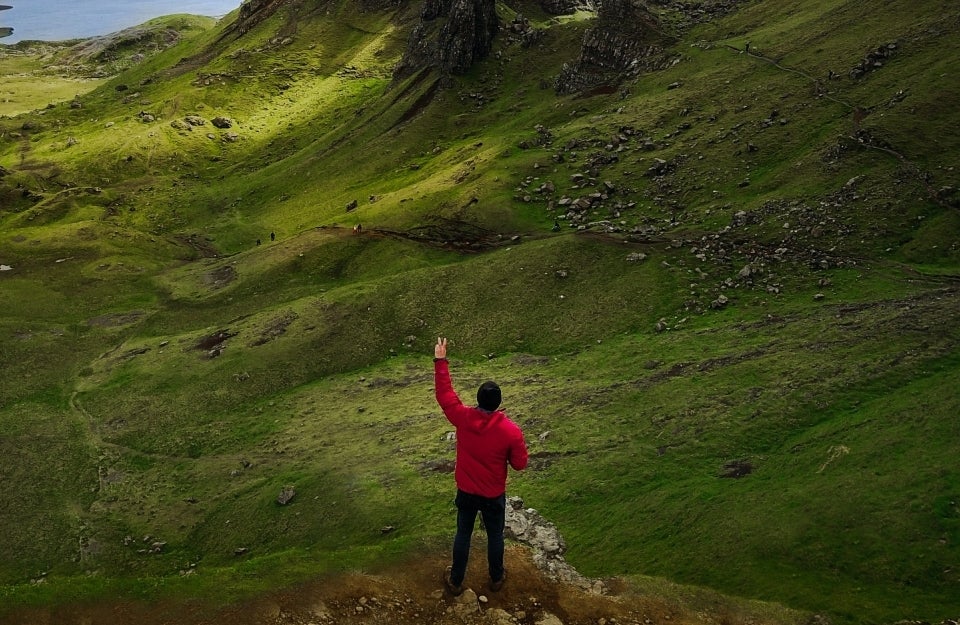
412	593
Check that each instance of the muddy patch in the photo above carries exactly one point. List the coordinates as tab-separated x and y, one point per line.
438	466
199	244
132	353
220	277
276	328
213	344
115	320
736	469
542	459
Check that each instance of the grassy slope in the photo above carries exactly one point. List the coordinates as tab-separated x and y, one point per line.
844	407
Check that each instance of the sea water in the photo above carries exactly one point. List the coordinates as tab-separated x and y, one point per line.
56	20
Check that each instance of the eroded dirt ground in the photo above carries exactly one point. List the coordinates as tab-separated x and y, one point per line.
407	594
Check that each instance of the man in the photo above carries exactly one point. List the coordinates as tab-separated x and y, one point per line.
487	441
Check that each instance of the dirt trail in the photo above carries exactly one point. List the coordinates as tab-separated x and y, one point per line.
407	594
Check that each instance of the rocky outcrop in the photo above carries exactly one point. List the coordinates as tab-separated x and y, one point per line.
252	12
527	526
379	5
450	37
626	41
566	7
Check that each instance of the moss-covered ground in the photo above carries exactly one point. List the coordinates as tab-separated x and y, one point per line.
737	370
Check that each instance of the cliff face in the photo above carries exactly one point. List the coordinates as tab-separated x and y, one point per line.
565	7
626	40
450	36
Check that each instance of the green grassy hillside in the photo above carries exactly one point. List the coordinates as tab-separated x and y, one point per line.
736	362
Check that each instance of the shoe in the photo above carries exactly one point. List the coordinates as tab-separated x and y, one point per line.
496	586
453	589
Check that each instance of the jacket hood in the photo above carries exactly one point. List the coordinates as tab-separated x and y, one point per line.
484	419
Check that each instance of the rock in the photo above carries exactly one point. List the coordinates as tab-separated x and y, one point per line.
450	37
466	605
549	619
660	167
499	616
566	7
222	122
527	526
873	60
286	495
626	41
720	302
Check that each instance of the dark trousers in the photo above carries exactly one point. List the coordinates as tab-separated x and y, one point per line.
492	510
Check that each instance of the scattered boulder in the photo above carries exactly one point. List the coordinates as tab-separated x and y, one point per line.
720	302
286	495
873	60
222	122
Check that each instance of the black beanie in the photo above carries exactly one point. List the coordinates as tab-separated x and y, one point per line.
488	397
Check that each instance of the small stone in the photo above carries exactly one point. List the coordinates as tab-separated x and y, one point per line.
286	495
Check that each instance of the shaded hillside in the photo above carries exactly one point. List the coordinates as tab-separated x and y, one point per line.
709	250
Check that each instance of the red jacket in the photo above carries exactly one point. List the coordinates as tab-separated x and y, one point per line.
486	441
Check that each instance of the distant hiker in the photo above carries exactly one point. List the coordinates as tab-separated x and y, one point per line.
258	241
746	48
556	226
487	442
358	229
273	237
